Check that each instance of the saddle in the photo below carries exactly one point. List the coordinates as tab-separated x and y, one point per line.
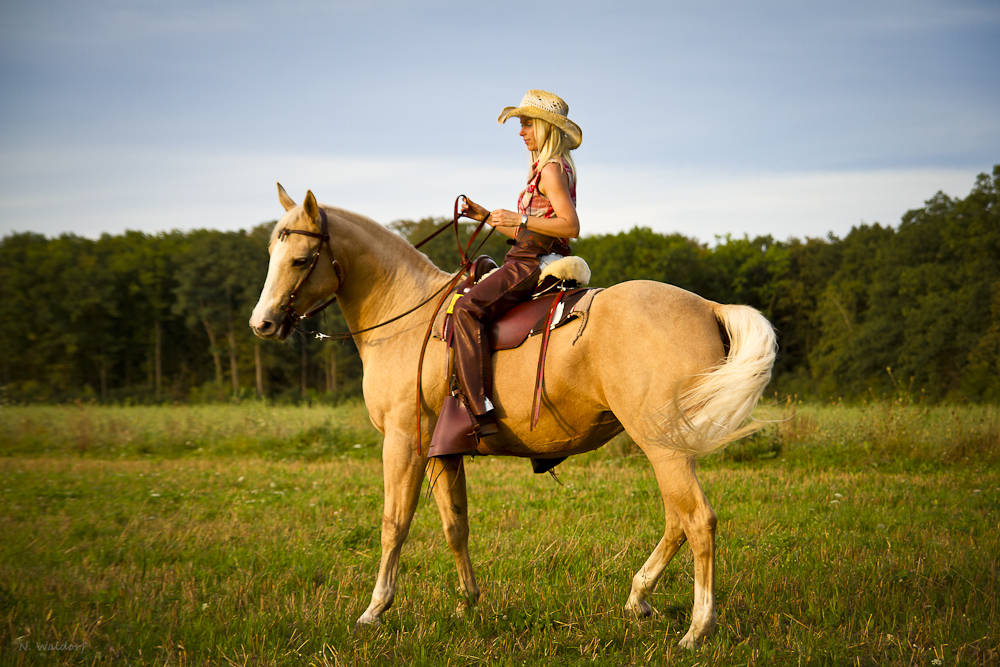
557	300
527	319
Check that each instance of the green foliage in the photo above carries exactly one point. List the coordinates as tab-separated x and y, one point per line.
143	319
918	300
642	254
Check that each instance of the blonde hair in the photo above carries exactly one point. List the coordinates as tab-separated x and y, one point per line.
552	145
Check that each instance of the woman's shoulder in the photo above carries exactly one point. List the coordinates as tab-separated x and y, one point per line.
558	161
559	169
556	166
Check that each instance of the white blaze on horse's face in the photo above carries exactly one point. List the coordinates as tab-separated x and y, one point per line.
268	316
291	256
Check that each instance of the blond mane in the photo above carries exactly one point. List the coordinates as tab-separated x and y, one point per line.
391	241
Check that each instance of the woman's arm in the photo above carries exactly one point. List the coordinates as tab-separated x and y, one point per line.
555	186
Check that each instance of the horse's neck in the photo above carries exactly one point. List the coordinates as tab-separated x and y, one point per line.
386	277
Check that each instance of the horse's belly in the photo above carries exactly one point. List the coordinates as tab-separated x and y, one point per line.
552	438
573	415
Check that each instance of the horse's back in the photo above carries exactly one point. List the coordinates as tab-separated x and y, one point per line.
641	340
657	323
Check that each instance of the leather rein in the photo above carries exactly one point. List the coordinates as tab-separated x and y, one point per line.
324	240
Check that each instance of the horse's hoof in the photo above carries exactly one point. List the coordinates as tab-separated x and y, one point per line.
466	608
691	641
639	609
365	623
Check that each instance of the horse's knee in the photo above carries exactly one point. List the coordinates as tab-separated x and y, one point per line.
700	529
710	520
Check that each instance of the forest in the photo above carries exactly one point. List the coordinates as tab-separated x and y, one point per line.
140	318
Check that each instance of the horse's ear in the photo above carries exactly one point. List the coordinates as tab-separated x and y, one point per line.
310	206
285	200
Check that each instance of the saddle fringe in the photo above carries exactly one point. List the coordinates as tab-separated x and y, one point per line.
710	413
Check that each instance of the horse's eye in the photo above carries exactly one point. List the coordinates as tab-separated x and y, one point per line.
299	263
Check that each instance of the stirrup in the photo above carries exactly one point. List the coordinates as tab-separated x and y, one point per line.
486	425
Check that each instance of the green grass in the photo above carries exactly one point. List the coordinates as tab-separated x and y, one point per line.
247	429
847	536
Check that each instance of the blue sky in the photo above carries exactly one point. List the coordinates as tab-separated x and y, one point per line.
709	118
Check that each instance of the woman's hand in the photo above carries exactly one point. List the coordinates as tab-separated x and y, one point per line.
473	210
504	218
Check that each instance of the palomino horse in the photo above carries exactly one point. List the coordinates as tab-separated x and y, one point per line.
678	373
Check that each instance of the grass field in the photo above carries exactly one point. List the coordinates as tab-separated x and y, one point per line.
248	535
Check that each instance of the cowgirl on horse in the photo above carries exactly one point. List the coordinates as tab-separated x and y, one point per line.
680	374
545	221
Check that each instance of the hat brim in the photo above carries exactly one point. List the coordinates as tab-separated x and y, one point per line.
569	128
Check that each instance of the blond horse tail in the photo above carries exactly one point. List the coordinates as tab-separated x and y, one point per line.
711	411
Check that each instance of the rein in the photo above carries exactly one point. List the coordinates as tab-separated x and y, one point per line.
324	239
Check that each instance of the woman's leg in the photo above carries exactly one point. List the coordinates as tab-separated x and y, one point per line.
503	289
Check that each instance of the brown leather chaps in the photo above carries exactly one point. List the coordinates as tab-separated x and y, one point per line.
512	283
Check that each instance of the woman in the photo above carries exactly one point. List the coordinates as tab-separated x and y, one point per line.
543	224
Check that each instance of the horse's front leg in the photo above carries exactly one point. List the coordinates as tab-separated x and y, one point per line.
447	477
403	470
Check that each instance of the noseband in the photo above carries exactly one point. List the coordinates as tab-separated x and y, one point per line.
324	239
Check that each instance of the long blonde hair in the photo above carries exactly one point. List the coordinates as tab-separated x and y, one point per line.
552	144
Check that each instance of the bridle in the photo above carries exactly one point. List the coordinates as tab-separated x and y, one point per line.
324	239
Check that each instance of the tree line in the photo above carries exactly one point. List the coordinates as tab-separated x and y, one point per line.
161	318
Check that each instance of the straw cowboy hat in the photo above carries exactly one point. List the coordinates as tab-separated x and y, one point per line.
545	105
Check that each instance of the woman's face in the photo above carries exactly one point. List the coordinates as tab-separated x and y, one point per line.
528	134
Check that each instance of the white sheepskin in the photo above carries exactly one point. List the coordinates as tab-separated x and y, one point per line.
564	268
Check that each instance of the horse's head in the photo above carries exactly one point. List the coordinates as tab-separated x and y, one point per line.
302	270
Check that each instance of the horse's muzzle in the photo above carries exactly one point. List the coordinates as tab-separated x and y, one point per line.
265	328
285	328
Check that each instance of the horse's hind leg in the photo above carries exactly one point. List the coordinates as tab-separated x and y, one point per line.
689	517
646	578
447	478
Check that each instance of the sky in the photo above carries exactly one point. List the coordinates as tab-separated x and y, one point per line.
789	119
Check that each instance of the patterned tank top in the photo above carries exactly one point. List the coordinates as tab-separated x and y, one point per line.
532	202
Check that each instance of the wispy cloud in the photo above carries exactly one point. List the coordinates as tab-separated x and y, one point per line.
705	204
705	118
162	190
